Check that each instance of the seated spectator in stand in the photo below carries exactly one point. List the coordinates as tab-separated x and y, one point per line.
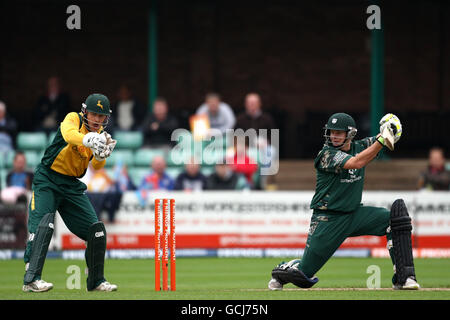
191	179
158	179
128	112
159	125
123	181
254	117
8	130
18	181
19	176
436	177
220	114
224	178
102	193
51	108
241	162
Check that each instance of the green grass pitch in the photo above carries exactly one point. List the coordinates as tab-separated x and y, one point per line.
229	279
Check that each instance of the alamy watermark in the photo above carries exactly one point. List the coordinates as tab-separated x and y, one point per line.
74	279
374	20
374	280
232	147
74	20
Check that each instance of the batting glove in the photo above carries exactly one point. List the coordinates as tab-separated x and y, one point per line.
386	138
394	123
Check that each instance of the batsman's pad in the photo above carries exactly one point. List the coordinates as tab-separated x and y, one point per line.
95	254
401	238
39	248
289	273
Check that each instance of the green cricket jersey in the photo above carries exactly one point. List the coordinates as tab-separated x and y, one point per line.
338	189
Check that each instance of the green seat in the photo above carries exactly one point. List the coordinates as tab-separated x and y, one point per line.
178	157
9	159
183	136
128	139
3	174
207	171
125	156
3	156
33	158
31	141
174	172
144	157
212	156
136	174
51	136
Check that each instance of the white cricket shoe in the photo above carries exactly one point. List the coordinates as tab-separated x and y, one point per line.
410	284
275	285
106	286
37	286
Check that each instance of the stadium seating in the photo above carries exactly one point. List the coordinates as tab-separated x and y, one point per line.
31	141
3	174
128	151
9	158
129	139
143	157
177	157
136	174
33	158
174	172
124	156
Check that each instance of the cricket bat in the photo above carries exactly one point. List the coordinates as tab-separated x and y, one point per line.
388	137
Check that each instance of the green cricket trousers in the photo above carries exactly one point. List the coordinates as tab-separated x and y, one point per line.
53	192
329	230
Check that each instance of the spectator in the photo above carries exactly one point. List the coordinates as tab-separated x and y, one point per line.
159	125
220	114
436	177
128	112
102	193
19	176
51	108
123	181
224	178
254	117
8	130
241	162
191	179
158	179
18	181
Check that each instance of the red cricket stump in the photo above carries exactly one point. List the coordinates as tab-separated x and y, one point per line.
157	246
172	246
168	242
165	257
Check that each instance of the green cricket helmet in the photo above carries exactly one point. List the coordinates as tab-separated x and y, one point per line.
97	103
340	121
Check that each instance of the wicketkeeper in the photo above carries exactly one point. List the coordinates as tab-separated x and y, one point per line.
79	140
337	209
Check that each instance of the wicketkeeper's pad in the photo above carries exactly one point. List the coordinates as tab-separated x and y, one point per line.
39	247
95	254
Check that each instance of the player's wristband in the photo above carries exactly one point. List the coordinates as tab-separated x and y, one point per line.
380	139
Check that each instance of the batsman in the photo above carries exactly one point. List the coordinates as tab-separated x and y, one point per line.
80	139
337	209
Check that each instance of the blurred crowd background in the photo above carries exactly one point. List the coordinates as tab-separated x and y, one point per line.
284	65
